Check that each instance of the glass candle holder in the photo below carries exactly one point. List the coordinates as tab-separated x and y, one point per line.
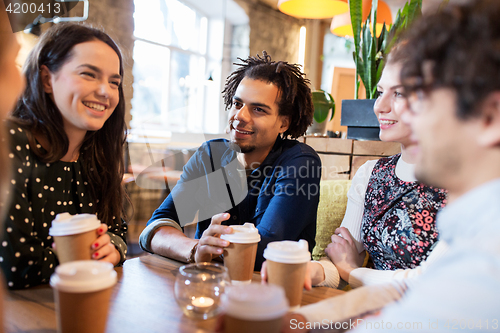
198	288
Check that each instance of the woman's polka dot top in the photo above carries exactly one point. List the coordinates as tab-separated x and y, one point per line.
38	193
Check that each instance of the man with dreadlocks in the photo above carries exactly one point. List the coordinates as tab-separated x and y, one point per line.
258	176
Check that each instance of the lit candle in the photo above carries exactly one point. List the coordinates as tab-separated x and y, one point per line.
202	302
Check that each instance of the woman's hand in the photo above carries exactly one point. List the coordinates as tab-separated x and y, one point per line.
210	243
102	249
343	253
310	271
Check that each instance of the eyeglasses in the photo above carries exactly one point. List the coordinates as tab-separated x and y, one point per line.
416	101
417	93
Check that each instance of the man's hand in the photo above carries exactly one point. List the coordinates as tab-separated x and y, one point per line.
310	271
210	243
343	253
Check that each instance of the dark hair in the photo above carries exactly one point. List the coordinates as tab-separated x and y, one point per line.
101	150
461	44
295	100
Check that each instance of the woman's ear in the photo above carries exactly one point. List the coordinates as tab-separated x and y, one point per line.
46	79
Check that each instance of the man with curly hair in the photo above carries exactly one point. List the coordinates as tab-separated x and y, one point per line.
451	80
258	176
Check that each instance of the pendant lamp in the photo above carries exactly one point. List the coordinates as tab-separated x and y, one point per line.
313	9
341	24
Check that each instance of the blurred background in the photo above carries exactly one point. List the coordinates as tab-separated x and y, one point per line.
179	52
177	55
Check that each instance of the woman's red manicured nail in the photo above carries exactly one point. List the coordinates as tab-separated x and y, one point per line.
95	255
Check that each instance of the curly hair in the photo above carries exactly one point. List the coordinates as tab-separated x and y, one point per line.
462	44
101	150
295	99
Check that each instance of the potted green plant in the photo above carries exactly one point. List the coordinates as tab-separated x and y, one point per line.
370	50
324	108
369	54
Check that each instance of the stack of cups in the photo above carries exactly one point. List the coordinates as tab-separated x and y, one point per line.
254	308
239	256
73	235
286	267
82	291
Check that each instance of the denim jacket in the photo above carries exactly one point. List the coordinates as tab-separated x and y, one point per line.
280	197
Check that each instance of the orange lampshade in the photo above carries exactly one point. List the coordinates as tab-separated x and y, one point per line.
341	24
313	9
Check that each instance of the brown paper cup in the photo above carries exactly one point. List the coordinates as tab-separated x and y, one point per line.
82	291
240	260
236	325
73	235
253	308
75	247
82	312
290	277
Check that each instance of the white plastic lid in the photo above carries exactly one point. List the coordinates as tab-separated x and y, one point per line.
83	276
243	234
288	252
66	224
255	301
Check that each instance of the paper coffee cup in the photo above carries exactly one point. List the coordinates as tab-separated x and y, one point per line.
254	308
82	291
286	267
239	256
73	235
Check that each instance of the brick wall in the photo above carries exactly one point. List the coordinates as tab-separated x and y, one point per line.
272	31
116	18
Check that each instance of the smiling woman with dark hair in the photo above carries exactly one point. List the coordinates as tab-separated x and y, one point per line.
67	134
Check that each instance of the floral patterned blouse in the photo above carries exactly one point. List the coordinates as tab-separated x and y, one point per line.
399	228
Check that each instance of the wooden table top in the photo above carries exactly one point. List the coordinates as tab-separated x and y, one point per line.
143	301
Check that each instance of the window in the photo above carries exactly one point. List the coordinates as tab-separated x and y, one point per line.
178	57
337	52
